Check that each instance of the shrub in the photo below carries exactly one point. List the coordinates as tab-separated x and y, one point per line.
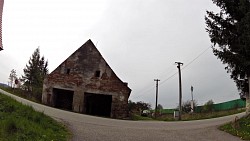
208	106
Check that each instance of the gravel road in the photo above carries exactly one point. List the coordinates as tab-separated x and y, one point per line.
90	128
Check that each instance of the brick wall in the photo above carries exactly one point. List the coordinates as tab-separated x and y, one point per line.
86	71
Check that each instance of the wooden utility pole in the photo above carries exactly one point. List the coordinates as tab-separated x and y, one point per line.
192	101
156	97
179	64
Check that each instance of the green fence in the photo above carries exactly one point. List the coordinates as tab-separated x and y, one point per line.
167	111
234	104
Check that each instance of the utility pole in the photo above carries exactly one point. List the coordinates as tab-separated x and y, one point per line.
192	101
179	64
156	97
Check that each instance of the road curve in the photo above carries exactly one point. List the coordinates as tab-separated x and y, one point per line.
90	128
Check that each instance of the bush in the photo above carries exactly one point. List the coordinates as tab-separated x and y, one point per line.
208	107
138	107
186	106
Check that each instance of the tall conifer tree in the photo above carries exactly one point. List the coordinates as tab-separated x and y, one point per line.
35	71
229	31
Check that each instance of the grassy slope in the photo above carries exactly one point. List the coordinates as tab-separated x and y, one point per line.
240	128
187	117
21	122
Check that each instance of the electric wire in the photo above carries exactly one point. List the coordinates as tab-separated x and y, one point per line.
165	80
185	66
195	58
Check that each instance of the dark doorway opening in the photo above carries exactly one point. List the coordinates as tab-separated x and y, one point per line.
63	99
98	104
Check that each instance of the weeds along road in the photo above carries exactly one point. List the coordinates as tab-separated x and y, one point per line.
90	128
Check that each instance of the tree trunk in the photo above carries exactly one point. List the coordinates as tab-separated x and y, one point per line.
247	98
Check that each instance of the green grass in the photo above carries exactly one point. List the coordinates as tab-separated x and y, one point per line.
21	123
138	117
241	128
199	116
187	117
22	93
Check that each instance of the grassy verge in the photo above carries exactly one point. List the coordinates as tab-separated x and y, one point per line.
198	116
194	116
240	128
22	123
138	117
21	93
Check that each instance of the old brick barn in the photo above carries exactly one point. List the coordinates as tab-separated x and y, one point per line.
85	83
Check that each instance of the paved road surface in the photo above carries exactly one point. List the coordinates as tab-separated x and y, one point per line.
90	128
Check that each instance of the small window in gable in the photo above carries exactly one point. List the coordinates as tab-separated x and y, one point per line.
97	73
68	71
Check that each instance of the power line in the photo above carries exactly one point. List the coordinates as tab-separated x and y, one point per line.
168	78
165	80
142	92
185	65
195	58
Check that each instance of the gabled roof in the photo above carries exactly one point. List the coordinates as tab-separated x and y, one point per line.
84	53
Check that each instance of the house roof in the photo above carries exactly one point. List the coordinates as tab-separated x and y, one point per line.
85	50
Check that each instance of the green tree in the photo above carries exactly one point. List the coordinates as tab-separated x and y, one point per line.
208	106
229	31
34	73
159	107
12	78
186	106
138	106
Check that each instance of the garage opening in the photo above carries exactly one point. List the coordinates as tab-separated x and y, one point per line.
97	104
63	99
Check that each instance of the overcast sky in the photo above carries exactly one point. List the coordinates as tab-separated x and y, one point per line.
140	39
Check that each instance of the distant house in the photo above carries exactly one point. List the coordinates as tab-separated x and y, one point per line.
85	83
1	13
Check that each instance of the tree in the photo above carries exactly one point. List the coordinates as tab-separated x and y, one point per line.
131	105
12	78
138	106
208	106
230	31
186	106
35	72
159	107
